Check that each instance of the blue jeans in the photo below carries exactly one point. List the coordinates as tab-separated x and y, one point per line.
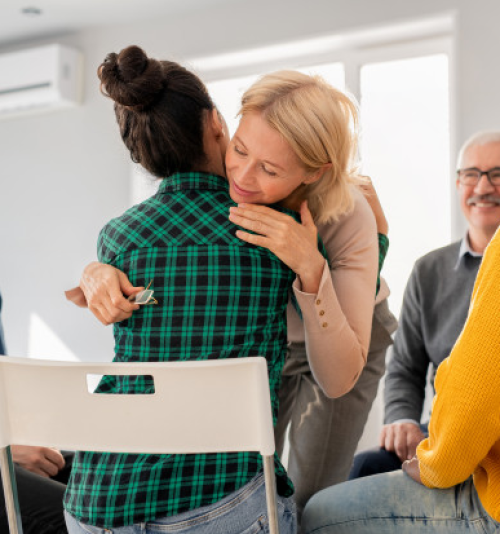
392	503
242	512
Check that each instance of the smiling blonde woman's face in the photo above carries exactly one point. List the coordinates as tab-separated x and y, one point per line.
260	164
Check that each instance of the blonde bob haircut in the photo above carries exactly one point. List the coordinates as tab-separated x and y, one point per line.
320	123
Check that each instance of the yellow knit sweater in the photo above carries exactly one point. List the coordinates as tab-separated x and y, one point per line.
464	430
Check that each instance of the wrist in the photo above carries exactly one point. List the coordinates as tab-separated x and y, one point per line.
310	276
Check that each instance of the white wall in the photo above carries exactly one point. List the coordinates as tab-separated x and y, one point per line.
65	174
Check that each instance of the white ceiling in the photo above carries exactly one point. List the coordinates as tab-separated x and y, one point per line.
62	16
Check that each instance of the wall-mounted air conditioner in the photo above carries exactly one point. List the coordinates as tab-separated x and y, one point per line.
40	79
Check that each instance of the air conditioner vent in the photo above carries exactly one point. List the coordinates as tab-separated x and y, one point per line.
44	78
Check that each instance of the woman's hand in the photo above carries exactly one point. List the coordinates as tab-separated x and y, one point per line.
295	244
371	196
104	288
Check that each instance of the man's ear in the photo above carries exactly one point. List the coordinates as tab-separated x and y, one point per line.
316	175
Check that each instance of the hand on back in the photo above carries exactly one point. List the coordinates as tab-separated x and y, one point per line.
372	198
106	291
295	244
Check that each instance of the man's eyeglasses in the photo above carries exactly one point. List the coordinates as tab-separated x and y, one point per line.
144	297
472	176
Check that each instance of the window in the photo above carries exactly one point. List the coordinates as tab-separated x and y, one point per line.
405	149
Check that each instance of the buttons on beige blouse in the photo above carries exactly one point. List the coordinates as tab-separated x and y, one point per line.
321	313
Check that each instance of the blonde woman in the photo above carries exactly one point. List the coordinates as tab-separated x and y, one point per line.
328	350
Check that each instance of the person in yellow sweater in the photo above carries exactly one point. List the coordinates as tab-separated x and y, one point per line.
452	485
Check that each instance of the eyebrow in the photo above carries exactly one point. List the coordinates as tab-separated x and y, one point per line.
235	137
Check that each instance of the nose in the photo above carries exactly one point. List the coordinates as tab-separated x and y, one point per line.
483	186
245	174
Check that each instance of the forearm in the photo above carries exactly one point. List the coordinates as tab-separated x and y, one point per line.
403	399
406	375
337	353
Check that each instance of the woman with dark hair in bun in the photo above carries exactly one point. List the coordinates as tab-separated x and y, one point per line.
214	297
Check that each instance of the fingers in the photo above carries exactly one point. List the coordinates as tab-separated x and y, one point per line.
55	457
401	438
383	436
306	216
258	218
293	243
258	211
254	239
110	306
245	222
50	462
103	286
367	185
125	285
43	461
401	443
387	438
76	296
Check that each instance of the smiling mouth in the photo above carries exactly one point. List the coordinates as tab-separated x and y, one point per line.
484	204
241	191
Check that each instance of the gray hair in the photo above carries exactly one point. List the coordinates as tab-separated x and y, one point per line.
478	139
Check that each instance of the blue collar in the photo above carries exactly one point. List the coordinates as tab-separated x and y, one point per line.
465	250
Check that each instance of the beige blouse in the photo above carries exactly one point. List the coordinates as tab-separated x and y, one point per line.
337	322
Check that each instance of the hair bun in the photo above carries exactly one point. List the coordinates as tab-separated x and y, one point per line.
131	79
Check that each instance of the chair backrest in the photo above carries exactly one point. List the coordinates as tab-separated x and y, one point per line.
206	406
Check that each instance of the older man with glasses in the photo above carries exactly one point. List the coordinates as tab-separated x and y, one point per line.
435	307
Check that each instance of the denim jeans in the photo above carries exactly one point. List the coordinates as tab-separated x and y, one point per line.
392	503
242	512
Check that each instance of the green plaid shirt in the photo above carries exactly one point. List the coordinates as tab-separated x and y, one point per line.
383	247
218	297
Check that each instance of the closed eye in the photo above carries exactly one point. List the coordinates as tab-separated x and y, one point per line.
267	171
239	151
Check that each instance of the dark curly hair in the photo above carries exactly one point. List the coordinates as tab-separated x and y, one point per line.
159	107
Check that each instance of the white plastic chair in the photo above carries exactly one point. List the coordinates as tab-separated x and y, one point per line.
197	407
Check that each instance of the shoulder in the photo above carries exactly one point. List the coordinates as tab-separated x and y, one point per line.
441	258
435	273
356	228
116	234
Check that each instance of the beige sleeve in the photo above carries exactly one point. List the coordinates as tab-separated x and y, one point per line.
337	321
